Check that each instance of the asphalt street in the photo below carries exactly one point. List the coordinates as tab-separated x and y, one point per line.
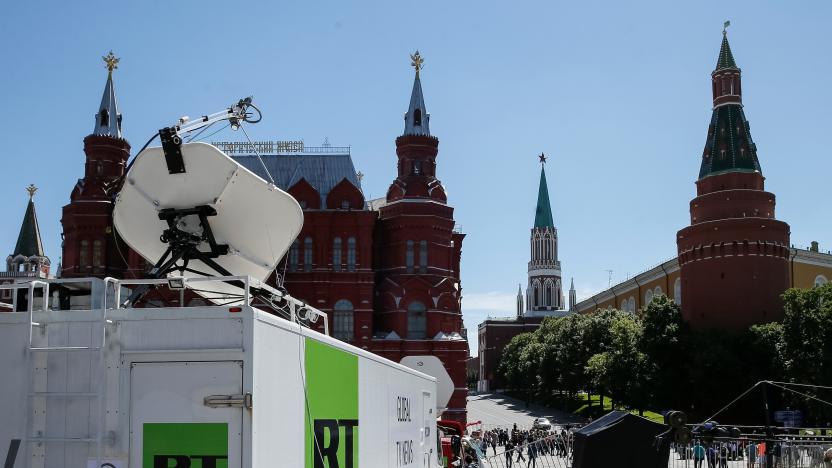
495	409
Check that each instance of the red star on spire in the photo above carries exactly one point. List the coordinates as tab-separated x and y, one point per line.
542	158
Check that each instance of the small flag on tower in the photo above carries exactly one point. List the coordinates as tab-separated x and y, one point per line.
725	26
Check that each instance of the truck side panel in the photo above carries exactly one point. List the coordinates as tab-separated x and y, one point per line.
277	417
14	334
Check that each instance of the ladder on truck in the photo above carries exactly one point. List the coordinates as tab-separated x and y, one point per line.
39	350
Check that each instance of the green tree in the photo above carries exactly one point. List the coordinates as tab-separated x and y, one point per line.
519	364
620	369
663	343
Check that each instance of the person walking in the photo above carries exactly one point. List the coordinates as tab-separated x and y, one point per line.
722	455
508	448
711	456
698	455
521	445
532	463
751	449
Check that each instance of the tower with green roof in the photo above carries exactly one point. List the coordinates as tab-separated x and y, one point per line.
734	255
544	291
28	258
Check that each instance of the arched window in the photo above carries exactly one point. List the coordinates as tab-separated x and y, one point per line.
423	256
97	260
657	291
624	306
648	297
351	254
336	254
293	255
105	118
820	280
547	293
631	304
84	254
417	322
342	320
677	291
409	256
536	294
307	254
417	117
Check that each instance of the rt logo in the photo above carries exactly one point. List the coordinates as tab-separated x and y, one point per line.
185	461
321	451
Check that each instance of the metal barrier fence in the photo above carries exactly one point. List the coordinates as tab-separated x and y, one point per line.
745	453
553	451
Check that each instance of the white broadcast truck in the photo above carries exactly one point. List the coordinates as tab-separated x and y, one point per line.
87	383
202	365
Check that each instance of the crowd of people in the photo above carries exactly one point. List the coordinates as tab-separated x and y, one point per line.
753	454
522	447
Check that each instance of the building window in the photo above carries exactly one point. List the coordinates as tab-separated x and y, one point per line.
351	254
677	291
97	260
105	118
547	289
409	256
336	254
820	280
423	256
293	256
343	322
657	291
536	295
345	204
631	304
648	297
417	117
417	322
84	254
307	254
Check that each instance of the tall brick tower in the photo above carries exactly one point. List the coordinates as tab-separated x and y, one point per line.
418	291
90	244
734	255
544	290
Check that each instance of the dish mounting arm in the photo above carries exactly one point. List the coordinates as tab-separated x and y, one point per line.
171	137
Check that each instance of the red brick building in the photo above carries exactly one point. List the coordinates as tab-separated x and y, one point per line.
386	271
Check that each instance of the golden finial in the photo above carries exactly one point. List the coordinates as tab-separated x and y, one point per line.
31	189
416	62
111	61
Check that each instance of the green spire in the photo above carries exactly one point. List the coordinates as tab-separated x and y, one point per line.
726	58
28	241
543	212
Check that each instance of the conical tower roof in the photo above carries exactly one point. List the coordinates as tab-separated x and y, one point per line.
417	119
543	211
729	146
726	58
28	241
108	118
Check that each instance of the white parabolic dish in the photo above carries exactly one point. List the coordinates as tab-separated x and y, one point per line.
257	220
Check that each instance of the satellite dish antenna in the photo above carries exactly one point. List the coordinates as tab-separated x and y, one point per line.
191	210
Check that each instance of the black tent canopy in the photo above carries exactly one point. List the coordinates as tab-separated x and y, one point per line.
622	440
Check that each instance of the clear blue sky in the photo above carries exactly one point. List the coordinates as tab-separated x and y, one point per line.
617	93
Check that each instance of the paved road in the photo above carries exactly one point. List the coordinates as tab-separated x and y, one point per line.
495	409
